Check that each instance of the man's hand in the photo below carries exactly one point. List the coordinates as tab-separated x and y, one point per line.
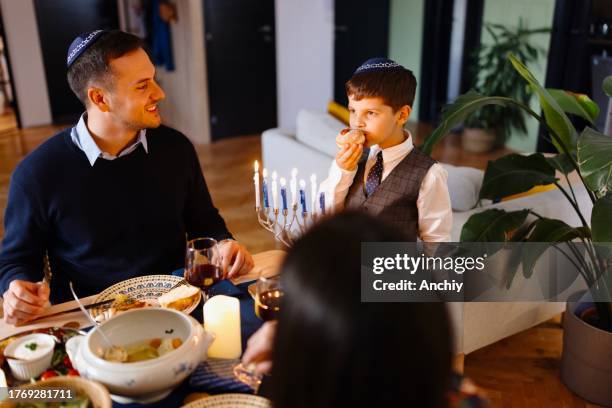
237	255
259	349
350	143
24	301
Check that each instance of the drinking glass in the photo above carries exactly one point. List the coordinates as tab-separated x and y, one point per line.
268	296
203	264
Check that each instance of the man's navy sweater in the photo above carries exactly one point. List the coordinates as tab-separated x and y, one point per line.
105	223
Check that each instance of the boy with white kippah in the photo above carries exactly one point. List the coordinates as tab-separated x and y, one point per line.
393	180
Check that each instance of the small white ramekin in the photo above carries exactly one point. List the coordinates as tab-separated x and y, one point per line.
25	369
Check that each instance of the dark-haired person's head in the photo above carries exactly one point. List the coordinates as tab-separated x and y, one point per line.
380	94
115	76
333	350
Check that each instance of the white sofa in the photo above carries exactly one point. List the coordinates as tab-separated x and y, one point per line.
311	149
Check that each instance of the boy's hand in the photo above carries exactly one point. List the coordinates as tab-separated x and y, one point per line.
348	156
350	142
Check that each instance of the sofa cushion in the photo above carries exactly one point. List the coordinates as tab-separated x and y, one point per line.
463	186
318	130
339	112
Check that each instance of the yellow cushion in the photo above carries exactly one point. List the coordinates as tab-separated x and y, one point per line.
534	190
339	112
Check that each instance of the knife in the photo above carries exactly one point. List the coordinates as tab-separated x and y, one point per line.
75	309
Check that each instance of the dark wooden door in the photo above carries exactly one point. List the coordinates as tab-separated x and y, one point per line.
361	32
59	22
437	30
241	62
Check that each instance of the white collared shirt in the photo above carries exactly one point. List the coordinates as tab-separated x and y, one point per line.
433	203
82	138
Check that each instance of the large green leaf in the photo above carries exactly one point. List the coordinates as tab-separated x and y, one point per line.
577	104
601	219
595	161
492	225
562	163
515	173
556	119
456	113
607	86
547	232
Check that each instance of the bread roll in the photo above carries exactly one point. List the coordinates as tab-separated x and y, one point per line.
179	298
350	136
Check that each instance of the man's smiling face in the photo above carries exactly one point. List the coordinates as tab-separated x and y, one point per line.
135	93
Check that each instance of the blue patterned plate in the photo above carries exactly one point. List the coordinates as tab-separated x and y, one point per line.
144	288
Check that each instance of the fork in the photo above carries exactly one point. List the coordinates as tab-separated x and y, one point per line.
180	283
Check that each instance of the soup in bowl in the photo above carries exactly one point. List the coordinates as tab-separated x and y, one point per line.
164	346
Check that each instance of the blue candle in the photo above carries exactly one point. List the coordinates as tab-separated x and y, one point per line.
303	195
283	184
265	188
265	193
322	203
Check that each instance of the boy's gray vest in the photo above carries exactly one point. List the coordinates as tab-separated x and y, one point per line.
395	199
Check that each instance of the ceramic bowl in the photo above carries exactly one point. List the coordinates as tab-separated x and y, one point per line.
148	380
97	394
27	368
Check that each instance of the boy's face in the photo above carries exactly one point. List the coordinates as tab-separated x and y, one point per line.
377	120
135	92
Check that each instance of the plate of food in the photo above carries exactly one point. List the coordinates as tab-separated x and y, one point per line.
25	356
83	393
147	291
230	401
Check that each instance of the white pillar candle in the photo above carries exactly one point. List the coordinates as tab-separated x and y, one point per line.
274	191
222	318
293	187
313	193
256	181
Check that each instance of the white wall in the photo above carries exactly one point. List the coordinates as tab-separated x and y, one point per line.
406	40
304	57
29	79
186	105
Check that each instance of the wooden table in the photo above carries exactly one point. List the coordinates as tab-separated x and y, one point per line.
266	263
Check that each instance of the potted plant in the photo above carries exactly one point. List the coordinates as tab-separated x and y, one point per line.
586	366
494	75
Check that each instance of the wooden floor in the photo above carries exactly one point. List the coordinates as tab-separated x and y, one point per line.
520	371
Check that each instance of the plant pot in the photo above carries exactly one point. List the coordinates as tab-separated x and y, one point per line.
475	140
586	361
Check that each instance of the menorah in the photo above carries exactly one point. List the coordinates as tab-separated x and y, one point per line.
289	221
286	225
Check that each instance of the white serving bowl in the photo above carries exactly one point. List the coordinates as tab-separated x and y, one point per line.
26	368
148	380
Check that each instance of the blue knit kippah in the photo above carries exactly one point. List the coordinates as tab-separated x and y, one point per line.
81	43
378	65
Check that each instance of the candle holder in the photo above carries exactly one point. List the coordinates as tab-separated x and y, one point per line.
286	226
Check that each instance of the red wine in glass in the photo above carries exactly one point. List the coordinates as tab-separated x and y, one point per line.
203	264
267	304
203	276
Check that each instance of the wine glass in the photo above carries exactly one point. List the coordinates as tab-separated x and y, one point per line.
269	294
203	264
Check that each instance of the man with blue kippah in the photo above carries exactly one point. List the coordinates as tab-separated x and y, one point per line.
393	180
113	197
